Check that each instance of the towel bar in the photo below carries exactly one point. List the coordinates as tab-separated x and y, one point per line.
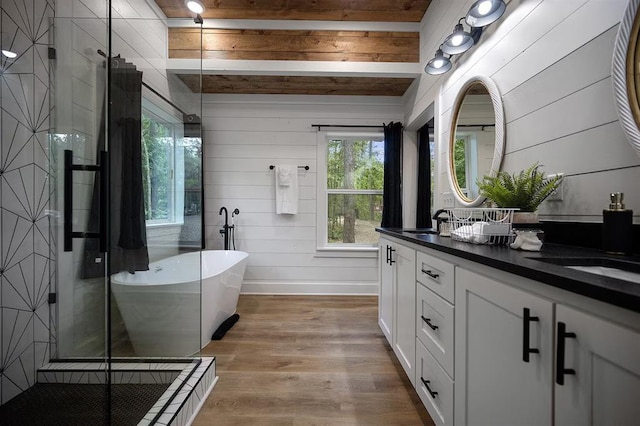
271	167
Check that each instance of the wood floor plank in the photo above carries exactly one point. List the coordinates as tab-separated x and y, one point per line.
308	360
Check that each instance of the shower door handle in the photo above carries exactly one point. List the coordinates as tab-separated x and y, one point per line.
69	168
104	207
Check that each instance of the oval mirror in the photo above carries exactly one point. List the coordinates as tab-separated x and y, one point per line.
626	74
476	144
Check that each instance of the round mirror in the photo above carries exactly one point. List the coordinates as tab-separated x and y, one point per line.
476	143
626	74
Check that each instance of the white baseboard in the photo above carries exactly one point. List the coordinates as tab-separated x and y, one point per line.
366	288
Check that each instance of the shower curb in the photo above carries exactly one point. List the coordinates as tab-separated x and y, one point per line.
191	381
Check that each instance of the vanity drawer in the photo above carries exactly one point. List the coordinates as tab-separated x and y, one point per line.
438	398
436	274
434	326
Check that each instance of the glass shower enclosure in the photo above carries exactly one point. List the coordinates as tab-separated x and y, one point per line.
101	173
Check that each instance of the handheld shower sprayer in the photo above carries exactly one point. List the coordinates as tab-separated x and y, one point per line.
233	227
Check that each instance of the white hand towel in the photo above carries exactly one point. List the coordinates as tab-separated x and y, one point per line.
286	182
284	175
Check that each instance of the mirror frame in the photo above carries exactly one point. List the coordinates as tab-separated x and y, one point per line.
622	74
498	151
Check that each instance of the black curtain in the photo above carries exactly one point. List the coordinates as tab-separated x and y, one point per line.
423	208
392	196
127	239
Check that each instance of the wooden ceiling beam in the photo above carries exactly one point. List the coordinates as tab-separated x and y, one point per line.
324	10
350	46
235	84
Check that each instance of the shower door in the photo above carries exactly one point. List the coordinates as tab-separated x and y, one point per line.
125	164
126	168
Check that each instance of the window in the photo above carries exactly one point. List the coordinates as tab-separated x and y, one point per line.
162	166
350	202
465	162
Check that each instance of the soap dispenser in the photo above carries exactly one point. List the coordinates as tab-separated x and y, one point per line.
617	237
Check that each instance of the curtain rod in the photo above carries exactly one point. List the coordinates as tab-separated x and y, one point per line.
154	91
320	126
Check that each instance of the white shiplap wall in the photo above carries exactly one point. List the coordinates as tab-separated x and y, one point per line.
244	134
551	61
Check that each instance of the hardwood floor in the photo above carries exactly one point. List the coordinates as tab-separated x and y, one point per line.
309	360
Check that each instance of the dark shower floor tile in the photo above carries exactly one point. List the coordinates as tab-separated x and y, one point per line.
80	404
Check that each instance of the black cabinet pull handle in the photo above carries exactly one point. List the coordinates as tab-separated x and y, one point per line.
526	319
387	262
391	261
426	385
428	321
560	370
431	274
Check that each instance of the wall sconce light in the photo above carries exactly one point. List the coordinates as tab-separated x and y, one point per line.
459	41
481	14
485	12
439	64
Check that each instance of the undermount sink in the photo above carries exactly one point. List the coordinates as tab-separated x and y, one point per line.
613	268
424	231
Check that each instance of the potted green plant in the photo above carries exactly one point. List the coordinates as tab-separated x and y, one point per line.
524	190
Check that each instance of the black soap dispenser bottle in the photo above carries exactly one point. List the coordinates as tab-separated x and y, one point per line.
617	237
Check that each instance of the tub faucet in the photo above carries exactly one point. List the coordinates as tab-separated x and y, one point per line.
226	227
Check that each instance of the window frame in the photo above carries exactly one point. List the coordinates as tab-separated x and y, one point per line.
323	247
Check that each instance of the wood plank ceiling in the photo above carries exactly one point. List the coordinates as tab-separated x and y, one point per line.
319	10
297	45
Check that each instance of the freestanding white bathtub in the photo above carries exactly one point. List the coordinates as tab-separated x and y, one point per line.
162	308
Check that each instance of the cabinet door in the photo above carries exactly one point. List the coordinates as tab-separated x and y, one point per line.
404	332
385	296
494	384
604	385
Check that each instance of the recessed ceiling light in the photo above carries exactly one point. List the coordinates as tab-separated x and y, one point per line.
9	54
195	6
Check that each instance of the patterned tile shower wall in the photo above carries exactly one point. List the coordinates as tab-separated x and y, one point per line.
25	257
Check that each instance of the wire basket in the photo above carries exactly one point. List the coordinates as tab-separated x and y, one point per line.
482	225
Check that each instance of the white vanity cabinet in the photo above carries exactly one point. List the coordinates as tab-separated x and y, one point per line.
435	334
396	304
486	347
581	369
385	292
597	371
504	354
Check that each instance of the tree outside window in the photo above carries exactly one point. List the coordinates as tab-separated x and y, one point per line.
158	145
355	171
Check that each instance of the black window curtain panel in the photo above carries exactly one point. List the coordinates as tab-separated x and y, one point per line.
392	185
423	208
127	227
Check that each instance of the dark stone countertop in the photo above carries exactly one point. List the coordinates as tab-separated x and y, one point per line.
611	290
